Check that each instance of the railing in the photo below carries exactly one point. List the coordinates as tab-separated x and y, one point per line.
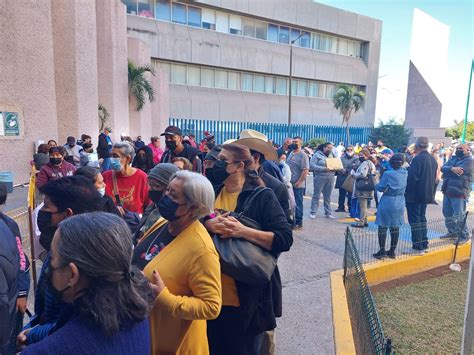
224	130
366	325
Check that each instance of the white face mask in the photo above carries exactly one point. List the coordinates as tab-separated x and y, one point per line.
101	191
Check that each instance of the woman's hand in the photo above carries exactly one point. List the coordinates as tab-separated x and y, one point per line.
21	304
21	339
157	284
234	228
216	225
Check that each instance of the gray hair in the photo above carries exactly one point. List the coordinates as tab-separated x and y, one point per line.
197	191
422	142
126	148
100	245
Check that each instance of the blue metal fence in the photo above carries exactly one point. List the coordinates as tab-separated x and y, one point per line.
224	130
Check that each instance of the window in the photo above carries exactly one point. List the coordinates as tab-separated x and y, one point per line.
208	19
221	79
259	83
247	82
167	69
342	46
323	43
302	88
222	22
145	8
178	74
131	6
316	41
261	30
294	35
294	86
357	46
322	90
194	16
249	28
235	25
313	89
234	80
284	35
272	34
207	77
281	86
331	45
163	10
305	40
270	84
330	89
179	13
194	75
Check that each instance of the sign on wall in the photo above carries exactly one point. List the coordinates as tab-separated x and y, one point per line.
9	124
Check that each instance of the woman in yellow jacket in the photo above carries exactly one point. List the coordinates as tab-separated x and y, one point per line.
179	258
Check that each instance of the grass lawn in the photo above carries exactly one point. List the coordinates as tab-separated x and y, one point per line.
425	317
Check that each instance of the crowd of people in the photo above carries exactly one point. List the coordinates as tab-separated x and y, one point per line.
157	251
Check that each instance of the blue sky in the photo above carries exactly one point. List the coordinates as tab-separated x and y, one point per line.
397	17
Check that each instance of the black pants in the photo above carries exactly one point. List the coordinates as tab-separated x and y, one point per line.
394	234
343	195
417	218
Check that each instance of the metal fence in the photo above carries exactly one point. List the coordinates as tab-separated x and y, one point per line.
366	325
367	240
224	130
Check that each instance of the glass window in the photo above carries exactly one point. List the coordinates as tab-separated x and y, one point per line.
194	75
208	19
221	79
281	86
207	77
270	84
272	34
261	30
313	89
294	35
294	86
342	46
145	8
247	81
259	84
194	16
222	22
167	69
284	35
163	10
178	74
357	50
330	89
332	44
234	80
323	43
179	13
322	90
305	40
302	88
235	25
249	28
316	41
131	6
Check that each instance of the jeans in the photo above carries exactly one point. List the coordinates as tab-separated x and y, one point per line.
454	210
106	164
417	218
343	194
299	193
363	210
322	184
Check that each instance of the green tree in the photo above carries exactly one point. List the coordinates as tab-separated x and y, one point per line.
348	100
455	131
313	143
138	84
103	117
392	133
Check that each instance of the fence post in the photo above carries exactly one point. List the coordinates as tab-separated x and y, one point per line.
344	261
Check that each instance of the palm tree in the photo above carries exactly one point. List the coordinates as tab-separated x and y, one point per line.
348	100
103	117
139	85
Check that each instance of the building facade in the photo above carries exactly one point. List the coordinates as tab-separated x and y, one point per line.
229	60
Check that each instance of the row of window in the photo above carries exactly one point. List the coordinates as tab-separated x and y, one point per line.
244	81
167	10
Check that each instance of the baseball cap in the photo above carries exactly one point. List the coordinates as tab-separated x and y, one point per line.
172	131
214	152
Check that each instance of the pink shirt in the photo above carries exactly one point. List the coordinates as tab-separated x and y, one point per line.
157	153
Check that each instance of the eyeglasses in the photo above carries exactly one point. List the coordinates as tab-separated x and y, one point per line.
48	271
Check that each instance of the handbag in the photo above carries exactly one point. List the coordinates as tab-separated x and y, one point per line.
366	184
242	260
348	183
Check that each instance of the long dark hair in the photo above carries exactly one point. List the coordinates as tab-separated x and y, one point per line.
242	153
100	245
323	146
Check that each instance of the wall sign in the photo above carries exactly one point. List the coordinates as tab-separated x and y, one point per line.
9	124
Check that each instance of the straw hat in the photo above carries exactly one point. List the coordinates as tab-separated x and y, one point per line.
259	142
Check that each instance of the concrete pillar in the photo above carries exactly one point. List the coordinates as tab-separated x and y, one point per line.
140	121
26	80
112	58
75	65
160	108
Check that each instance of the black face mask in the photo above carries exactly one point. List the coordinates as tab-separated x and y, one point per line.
87	145
361	158
141	159
55	161
47	230
71	145
57	294
155	195
460	153
210	175
293	146
171	145
220	173
167	208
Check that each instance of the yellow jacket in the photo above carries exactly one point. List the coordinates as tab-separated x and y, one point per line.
190	269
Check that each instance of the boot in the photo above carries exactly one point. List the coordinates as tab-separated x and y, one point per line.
394	235
382	234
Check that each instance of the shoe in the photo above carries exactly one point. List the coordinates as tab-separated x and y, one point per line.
330	216
357	225
380	255
297	226
391	254
312	215
448	236
340	210
462	241
417	252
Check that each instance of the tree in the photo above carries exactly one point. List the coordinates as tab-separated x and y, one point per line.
455	131
348	100
103	117
138	84
393	134
315	142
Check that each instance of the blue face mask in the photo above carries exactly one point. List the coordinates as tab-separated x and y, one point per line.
167	208
115	164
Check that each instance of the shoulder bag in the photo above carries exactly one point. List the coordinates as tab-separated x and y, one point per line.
242	260
366	184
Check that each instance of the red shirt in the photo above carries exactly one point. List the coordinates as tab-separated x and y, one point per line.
133	190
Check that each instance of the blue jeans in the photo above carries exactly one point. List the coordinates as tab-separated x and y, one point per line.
417	218
299	193
454	210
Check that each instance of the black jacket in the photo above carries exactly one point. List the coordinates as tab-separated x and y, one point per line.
454	185
421	179
103	148
188	152
260	306
280	190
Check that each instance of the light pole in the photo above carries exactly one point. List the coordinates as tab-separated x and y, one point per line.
467	105
291	76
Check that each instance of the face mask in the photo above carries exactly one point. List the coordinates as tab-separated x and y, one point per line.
210	175
71	145
57	294
167	208
155	195
380	145
115	164
87	145
350	154
293	146
47	230
171	145
327	153
141	159
55	161
459	153
361	158
101	191
220	171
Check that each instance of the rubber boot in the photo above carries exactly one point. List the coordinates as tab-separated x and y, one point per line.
394	235
382	233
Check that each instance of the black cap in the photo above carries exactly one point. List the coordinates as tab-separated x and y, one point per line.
213	153
172	131
71	139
